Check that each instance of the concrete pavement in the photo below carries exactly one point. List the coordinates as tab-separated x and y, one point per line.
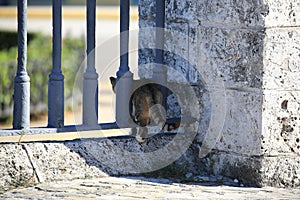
143	188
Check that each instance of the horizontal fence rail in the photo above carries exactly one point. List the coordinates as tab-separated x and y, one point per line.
107	130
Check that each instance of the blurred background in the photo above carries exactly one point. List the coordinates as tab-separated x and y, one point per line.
39	61
65	2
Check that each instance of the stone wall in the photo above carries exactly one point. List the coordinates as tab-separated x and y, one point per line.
249	52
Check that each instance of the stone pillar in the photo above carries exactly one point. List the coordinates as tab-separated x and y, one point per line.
251	51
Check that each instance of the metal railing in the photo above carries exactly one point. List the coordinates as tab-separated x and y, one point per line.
21	115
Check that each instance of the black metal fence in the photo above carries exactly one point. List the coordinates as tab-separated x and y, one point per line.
21	113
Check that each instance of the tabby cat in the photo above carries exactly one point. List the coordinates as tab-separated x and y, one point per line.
145	107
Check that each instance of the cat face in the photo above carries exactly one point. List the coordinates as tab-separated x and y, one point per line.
145	106
139	103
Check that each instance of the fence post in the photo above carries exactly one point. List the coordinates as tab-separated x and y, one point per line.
90	82
56	78
159	72
21	113
123	87
160	25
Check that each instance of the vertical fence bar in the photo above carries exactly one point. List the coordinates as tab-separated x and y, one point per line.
159	72
21	113
124	36
160	25
123	88
56	78
90	82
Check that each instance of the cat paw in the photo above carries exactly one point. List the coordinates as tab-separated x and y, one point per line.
140	139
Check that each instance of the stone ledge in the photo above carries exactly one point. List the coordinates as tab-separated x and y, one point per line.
30	163
27	164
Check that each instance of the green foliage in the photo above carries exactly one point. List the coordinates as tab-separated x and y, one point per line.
7	72
73	55
39	65
9	39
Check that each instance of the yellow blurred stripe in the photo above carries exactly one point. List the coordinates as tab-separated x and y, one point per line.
67	12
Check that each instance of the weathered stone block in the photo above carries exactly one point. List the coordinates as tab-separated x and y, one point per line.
194	75
56	161
245	169
125	156
282	13
282	59
241	133
259	171
182	51
248	13
147	10
233	57
176	50
146	37
281	123
15	168
180	40
181	10
282	171
176	10
244	13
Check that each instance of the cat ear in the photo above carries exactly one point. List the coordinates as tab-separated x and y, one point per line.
113	81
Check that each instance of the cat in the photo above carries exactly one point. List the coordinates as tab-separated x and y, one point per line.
146	107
